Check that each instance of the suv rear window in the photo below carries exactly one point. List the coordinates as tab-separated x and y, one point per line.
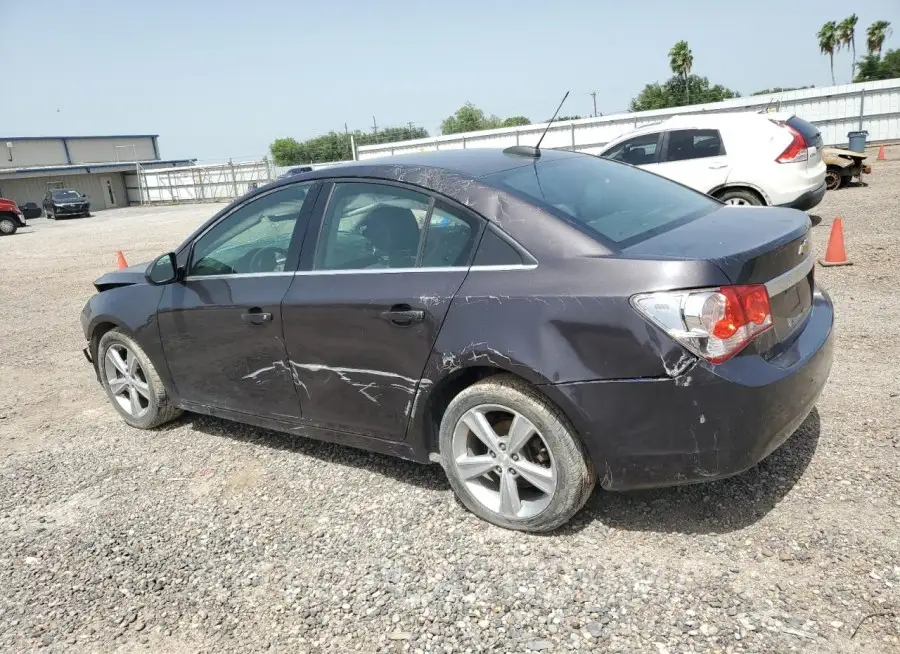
809	131
619	204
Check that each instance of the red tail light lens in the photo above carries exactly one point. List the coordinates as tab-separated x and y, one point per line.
715	323
796	151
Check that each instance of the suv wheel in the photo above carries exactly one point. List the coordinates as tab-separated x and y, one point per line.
132	383
512	458
739	197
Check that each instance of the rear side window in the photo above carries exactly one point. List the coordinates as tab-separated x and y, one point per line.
618	204
809	131
494	251
686	144
639	151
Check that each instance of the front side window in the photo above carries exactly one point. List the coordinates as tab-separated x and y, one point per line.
686	144
619	204
253	239
637	151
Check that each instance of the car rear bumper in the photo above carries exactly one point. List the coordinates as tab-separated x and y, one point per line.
710	422
807	200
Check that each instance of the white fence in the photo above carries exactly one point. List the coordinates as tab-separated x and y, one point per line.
212	183
835	110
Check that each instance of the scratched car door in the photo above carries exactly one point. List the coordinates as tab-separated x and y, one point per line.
362	315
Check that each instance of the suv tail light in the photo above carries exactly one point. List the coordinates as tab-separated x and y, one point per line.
713	323
796	151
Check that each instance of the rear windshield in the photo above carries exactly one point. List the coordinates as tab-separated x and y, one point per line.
809	131
619	204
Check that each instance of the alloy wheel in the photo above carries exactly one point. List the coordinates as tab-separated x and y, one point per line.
832	180
738	202
126	380
7	226
504	461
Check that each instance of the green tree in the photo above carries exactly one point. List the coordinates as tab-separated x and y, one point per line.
678	92
876	35
562	118
681	61
335	146
846	35
828	43
286	152
391	135
871	67
515	121
469	118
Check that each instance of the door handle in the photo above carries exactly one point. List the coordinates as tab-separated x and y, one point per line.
256	316
403	315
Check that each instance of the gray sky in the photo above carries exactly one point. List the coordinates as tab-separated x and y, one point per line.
222	79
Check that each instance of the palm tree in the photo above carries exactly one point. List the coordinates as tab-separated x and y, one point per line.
876	35
681	60
828	43
846	34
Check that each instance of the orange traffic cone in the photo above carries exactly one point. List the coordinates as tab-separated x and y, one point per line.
120	259
880	154
835	255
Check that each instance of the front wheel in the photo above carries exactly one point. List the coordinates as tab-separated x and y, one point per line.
512	457
132	383
8	226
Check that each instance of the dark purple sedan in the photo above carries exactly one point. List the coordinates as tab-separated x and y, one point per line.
532	321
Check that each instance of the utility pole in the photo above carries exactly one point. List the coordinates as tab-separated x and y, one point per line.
375	128
594	96
409	133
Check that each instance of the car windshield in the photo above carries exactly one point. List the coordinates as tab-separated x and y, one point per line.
615	202
66	195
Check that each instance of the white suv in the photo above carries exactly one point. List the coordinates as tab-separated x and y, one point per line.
739	158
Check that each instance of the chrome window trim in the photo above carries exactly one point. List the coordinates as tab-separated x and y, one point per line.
788	279
366	271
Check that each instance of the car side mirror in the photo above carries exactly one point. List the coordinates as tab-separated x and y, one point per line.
162	271
83	195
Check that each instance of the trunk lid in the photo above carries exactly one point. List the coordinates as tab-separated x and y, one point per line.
751	245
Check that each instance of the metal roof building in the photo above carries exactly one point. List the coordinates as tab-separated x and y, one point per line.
95	165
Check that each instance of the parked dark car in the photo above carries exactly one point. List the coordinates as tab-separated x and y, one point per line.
296	170
533	323
11	217
65	203
30	210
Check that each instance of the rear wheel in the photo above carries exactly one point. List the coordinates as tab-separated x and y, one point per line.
834	179
739	197
512	458
8	226
132	383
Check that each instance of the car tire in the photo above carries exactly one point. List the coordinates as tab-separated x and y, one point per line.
151	408
739	197
553	451
8	226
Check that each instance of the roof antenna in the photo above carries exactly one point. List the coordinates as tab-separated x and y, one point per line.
535	151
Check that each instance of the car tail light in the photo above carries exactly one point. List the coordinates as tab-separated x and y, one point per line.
713	323
796	151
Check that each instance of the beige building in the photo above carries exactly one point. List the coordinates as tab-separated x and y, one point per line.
93	165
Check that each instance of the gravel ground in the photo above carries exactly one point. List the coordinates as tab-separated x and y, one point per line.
209	536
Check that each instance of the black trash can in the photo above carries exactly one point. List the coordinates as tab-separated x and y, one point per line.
857	141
